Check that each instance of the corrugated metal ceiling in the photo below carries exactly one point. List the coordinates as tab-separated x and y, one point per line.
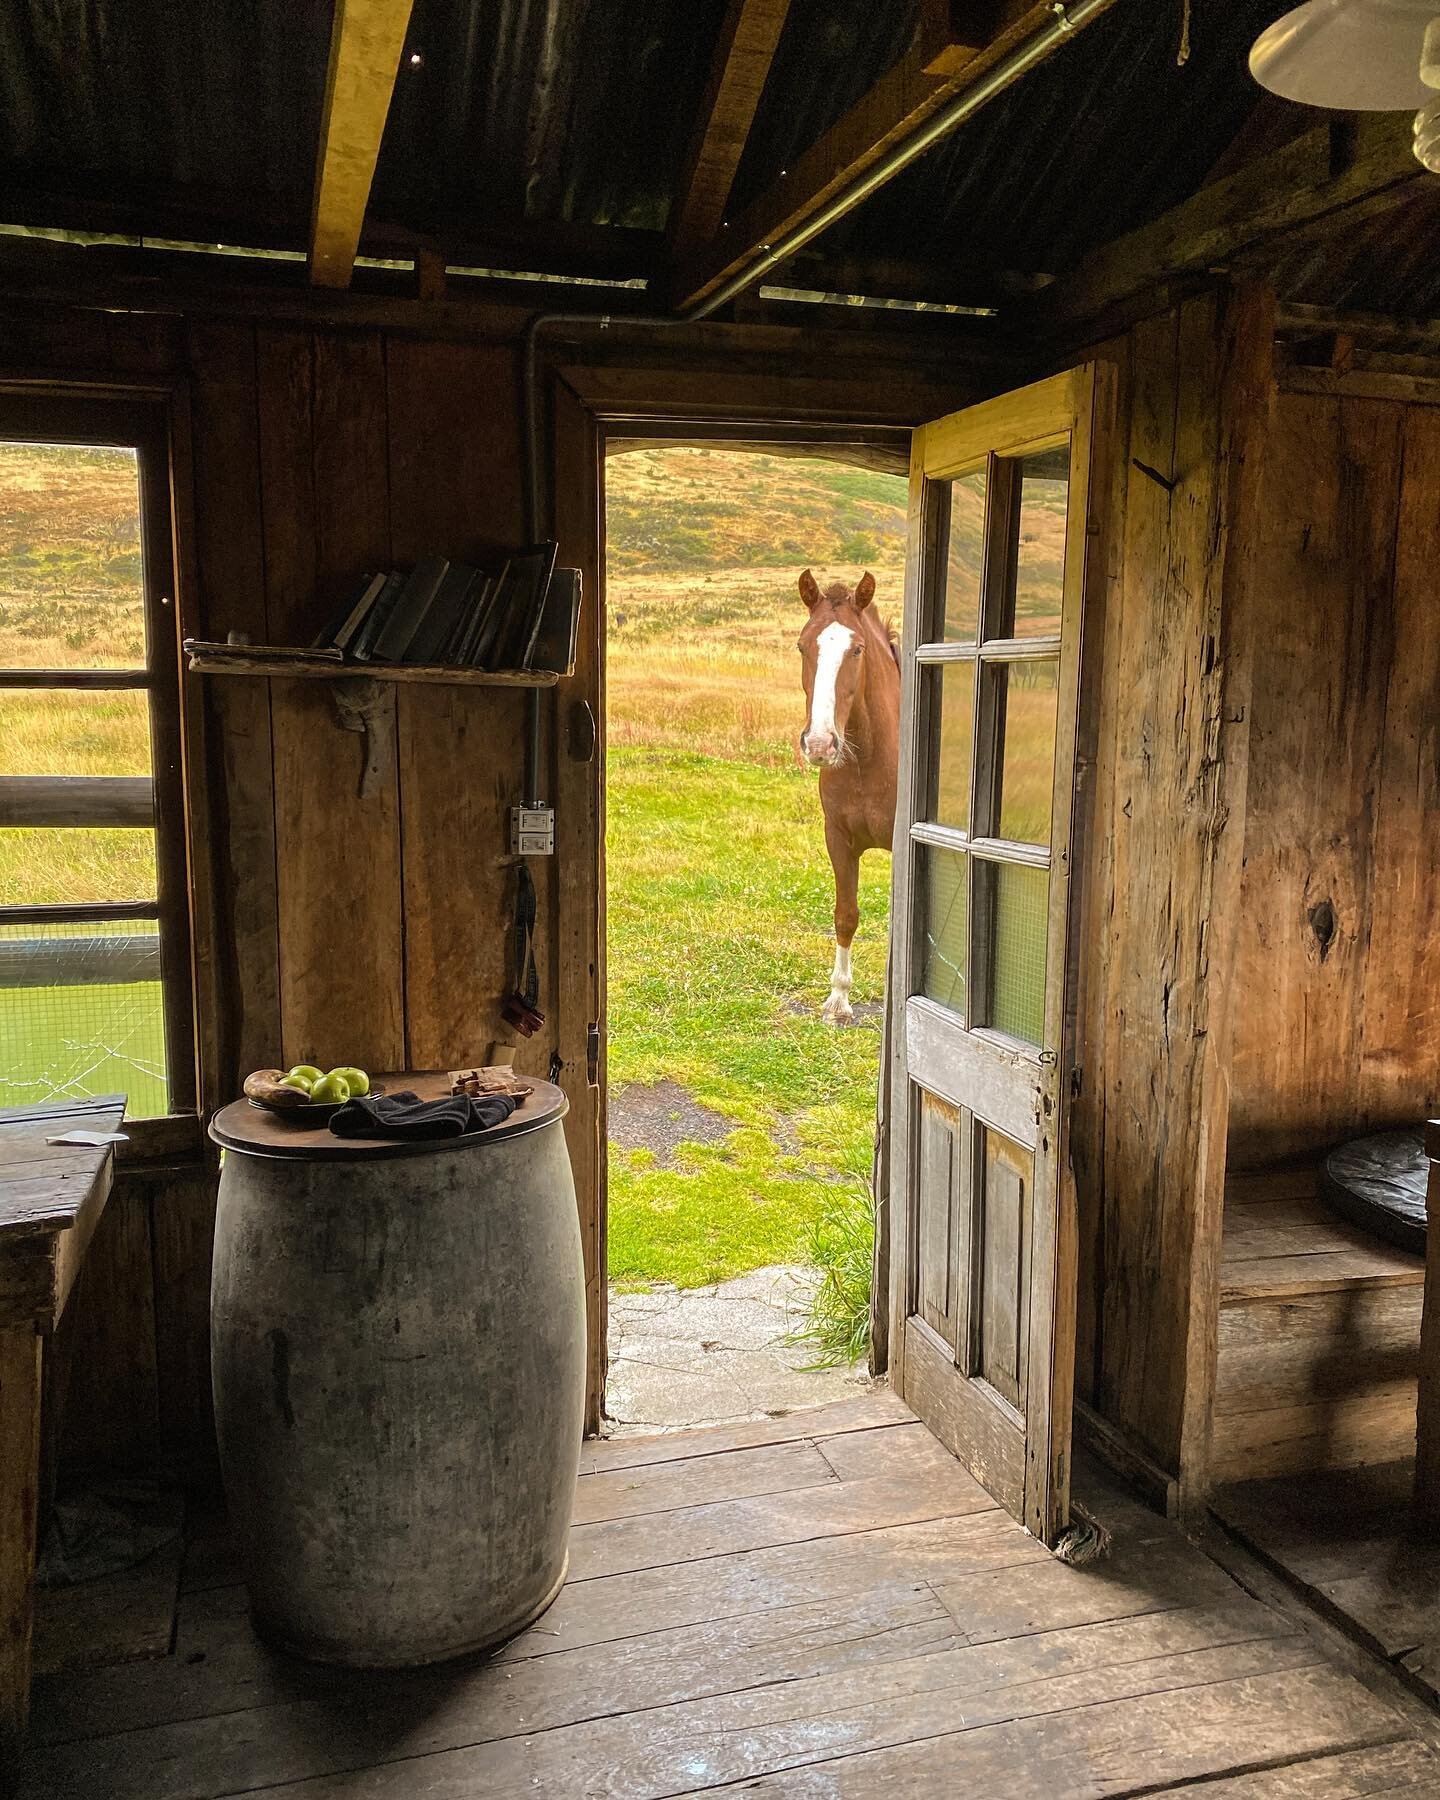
578	112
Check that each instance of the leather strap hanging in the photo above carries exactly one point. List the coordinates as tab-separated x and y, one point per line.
521	1009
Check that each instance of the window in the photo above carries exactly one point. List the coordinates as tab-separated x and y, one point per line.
989	667
95	976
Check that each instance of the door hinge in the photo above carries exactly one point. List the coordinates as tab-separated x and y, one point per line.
592	1054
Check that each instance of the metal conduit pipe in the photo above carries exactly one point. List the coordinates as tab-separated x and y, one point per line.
1067	18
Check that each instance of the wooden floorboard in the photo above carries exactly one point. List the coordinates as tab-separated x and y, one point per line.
876	1409
1342	1539
838	1612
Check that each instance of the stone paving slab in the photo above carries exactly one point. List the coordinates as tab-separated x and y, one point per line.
716	1355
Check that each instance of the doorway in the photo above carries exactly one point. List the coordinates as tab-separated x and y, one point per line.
741	1123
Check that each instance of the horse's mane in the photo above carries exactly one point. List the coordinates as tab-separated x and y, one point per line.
886	627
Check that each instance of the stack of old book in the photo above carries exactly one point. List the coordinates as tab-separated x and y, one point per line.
521	613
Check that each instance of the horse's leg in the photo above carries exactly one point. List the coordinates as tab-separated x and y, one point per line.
845	861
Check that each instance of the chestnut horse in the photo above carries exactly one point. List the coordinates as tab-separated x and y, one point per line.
851	670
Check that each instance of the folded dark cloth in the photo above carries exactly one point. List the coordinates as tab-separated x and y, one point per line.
406	1115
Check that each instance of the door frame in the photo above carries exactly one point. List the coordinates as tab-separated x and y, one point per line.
589	404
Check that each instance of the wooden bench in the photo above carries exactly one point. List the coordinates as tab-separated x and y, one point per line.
51	1198
1318	1340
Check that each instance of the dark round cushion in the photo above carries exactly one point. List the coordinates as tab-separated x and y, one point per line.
1378	1183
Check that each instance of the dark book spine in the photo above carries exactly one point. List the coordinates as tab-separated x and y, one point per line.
362	646
409	610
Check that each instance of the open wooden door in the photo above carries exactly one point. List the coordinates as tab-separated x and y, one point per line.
1004	552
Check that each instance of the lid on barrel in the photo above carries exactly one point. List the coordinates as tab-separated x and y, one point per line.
258	1131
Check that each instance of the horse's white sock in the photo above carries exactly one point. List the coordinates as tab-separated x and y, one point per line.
838	1005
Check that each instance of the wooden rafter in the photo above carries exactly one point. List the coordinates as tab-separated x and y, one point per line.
365	45
956	44
1271	205
748	39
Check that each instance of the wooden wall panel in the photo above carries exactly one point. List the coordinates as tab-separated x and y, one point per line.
182	1232
1400	1041
229	559
102	1356
324	483
1169	808
455	490
1339	951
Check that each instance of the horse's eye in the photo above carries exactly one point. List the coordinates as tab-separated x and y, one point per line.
858	650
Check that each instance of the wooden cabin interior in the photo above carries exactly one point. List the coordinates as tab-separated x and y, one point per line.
367	284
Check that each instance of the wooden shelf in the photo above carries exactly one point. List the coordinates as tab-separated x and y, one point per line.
212	660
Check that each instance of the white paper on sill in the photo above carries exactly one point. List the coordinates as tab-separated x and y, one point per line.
90	1139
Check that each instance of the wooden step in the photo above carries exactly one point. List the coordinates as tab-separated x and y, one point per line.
1319	1338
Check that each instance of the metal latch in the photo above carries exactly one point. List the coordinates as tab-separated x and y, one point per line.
592	1054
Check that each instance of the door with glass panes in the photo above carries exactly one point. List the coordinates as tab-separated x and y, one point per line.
1004	535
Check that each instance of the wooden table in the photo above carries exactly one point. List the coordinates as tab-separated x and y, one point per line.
51	1198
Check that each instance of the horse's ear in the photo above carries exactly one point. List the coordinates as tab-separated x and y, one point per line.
810	590
865	591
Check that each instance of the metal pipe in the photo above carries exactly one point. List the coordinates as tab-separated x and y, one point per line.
1067	18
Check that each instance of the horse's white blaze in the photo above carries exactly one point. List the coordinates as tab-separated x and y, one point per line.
838	1005
831	647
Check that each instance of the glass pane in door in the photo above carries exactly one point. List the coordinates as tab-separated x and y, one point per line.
944	950
954	701
1013	899
1034	587
1025	701
964	558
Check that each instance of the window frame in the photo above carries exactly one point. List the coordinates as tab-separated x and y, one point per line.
142	423
987	653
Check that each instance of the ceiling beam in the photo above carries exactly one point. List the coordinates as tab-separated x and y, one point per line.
1323	182
365	45
957	42
746	49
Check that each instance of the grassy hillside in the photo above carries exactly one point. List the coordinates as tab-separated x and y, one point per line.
704	551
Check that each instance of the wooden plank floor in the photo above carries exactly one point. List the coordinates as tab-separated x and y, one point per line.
820	1605
1341	1538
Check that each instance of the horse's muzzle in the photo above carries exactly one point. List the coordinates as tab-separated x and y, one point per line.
821	751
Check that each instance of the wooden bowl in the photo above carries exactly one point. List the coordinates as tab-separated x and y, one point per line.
311	1114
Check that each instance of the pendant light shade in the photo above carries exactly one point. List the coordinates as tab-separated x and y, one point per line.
1350	55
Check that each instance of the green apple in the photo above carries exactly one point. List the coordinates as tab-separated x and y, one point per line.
330	1090
307	1072
298	1082
355	1079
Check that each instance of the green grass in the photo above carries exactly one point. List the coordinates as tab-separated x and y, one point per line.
720	900
842	1248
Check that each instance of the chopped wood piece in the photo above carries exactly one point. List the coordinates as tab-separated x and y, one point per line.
496	1080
